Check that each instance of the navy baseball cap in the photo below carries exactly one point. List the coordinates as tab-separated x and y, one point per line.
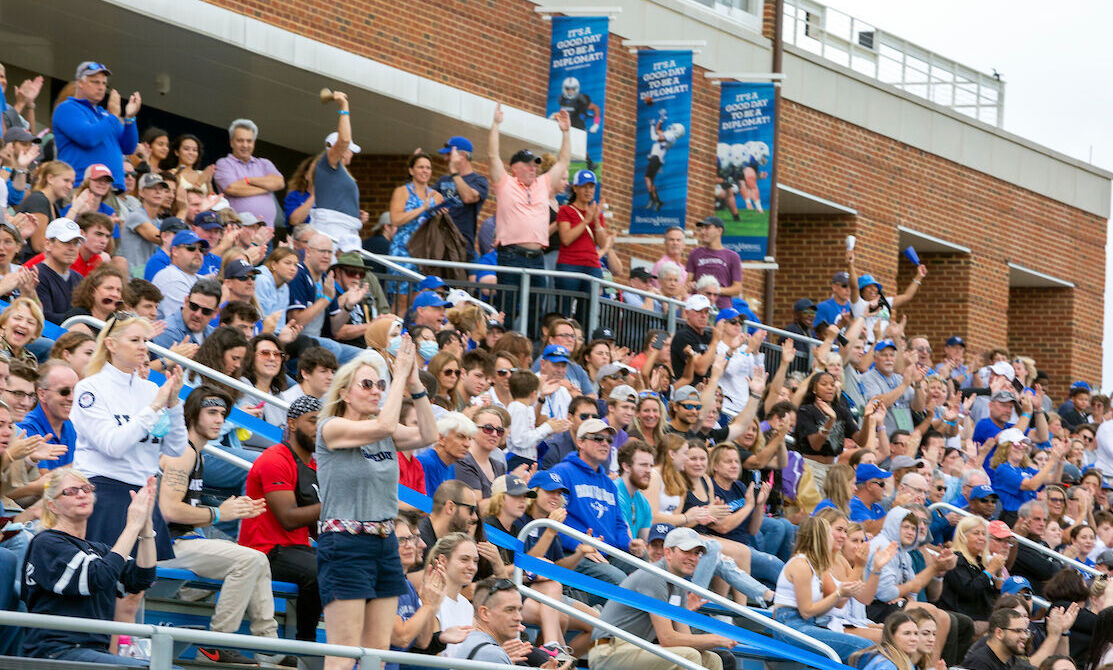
982	492
429	299
525	156
554	353
1015	584
547	480
842	278
803	305
584	177
239	269
956	341
868	471
711	221
458	143
658	531
188	237
602	333
208	220
172	224
431	282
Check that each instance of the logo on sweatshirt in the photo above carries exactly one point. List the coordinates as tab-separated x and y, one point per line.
86	400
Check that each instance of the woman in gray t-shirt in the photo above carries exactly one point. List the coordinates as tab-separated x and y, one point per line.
359	573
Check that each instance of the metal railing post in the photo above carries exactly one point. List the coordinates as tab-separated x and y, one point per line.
523	301
593	308
370	660
162	651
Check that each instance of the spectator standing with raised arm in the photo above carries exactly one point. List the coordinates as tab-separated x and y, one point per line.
463	183
522	216
85	134
336	194
248	182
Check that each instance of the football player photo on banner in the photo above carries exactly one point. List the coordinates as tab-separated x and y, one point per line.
578	79
661	150
743	160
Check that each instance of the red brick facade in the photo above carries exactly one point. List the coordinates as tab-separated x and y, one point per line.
499	49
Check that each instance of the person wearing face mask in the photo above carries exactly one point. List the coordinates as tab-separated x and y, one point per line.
384	337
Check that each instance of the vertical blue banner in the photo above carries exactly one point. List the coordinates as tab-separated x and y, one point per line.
661	149
578	78
744	160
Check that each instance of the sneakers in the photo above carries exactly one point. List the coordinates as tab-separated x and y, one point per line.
558	651
222	656
276	660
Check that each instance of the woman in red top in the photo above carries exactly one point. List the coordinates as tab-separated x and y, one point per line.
582	232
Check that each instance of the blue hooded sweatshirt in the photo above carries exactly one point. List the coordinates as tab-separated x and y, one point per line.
592	503
85	134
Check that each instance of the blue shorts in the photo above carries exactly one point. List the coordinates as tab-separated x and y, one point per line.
358	567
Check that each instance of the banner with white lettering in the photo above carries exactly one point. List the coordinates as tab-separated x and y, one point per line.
661	149
578	79
744	162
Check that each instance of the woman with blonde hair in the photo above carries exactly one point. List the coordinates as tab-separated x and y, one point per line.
20	325
649	420
899	648
975	582
848	564
470	320
668	486
800	601
839	487
360	575
1014	478
76	575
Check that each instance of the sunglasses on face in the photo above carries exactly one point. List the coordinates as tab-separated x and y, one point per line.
270	353
63	392
472	509
191	247
205	311
493	430
690	406
84	488
585	416
368	384
504	372
451	373
600	438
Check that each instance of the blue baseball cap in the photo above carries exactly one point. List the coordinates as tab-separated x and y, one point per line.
429	299
430	283
547	480
1015	584
868	471
1080	384
981	492
956	341
458	143
584	177
188	237
208	220
728	313
866	280
554	353
884	344
658	531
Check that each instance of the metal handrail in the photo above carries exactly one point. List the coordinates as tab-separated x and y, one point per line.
744	612
1094	572
783	333
163	637
202	370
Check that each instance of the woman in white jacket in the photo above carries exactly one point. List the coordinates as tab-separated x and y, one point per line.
124	423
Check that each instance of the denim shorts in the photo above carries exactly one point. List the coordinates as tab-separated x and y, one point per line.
358	567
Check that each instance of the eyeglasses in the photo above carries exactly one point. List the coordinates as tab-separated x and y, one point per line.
205	311
270	353
690	406
600	438
368	384
409	539
505	372
22	395
84	488
1057	500
500	585
472	509
492	430
455	372
584	416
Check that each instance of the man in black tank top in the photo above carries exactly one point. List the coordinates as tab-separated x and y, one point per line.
246	572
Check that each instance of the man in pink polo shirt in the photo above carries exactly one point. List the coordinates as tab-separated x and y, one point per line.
522	213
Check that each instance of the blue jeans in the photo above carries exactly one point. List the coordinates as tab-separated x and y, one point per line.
714	564
41	348
83	655
764	567
581	285
844	644
513	257
11	638
777	536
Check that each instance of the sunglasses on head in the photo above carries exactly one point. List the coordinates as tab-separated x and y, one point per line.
205	311
368	384
500	585
118	317
492	430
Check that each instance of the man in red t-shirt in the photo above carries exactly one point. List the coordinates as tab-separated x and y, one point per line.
97	229
286	475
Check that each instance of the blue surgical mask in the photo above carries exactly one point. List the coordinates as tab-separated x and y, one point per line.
428	349
394	344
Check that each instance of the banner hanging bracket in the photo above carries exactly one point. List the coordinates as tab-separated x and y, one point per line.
746	77
547	11
665	45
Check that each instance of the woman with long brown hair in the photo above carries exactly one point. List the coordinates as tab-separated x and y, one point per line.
410	206
445	368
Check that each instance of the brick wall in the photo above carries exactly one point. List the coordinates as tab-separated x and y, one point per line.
499	49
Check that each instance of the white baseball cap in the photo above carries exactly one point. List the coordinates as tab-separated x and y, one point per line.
63	230
333	136
684	539
697	302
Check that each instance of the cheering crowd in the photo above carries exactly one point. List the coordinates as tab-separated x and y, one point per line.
809	492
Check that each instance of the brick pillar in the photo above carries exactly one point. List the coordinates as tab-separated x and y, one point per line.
1041	324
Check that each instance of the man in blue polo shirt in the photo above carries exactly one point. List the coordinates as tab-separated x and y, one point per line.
831	310
983	502
52	415
865	506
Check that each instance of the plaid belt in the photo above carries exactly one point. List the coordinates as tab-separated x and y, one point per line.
380	528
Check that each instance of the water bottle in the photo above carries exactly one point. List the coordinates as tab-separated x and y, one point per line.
123	646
